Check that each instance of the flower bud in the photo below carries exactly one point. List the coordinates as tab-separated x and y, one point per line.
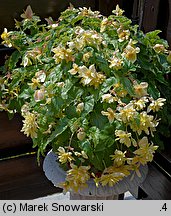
80	107
81	135
39	95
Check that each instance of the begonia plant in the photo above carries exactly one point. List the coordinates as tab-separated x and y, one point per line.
91	87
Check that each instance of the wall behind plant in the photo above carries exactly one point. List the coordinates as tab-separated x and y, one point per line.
10	9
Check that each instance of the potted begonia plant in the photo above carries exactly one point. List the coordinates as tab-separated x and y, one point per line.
91	87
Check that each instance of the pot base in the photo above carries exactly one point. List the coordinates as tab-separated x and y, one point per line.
77	196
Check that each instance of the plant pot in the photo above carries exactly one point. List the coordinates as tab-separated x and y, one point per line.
77	196
56	175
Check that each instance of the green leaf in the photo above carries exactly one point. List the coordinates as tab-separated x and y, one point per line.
88	105
127	84
86	146
26	93
77	19
107	84
57	104
153	91
71	112
94	134
153	34
104	143
97	119
75	93
74	124
102	64
13	60
98	162
55	74
61	126
68	85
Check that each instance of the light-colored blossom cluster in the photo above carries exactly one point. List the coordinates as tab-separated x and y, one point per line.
5	38
123	34
31	56
116	63
89	76
88	12
30	126
62	53
85	38
76	178
131	51
64	156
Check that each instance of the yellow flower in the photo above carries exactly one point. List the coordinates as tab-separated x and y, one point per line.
139	159
85	38
118	11
145	150
5	34
146	123
141	89
123	34
130	52
61	53
105	22
123	170
135	164
65	186
86	56
119	90
159	48
111	179
103	25
30	125
113	174
119	158
108	98
80	107
115	63
88	12
110	114
117	85
141	103
84	155
127	113
5	38
122	93
91	37
77	177
156	105
64	156
74	70
123	137
89	76
35	83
